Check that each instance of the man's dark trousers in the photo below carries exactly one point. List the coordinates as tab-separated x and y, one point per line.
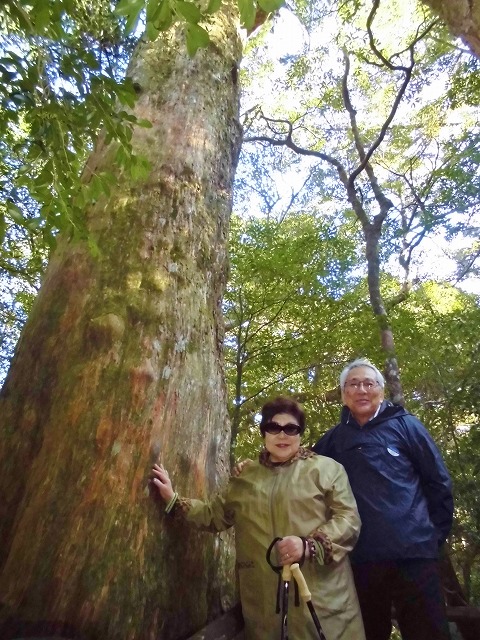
413	587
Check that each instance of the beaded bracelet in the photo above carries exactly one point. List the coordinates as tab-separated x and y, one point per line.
316	551
312	548
171	502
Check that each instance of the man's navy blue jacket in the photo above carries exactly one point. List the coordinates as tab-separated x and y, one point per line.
400	482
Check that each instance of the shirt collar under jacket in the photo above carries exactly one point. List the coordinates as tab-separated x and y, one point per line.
381	407
302	454
376	412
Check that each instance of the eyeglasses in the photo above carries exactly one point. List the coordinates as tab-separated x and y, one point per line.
288	429
366	384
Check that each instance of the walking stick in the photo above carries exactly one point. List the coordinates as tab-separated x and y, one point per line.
286	577
306	597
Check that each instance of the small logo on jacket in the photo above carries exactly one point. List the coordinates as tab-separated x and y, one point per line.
392	451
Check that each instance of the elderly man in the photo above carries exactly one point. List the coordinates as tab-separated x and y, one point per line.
404	497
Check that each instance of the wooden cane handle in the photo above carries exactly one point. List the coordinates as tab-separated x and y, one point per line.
302	585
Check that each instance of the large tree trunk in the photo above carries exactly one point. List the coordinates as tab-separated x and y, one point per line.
120	365
463	19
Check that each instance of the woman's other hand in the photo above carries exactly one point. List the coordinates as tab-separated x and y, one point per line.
290	550
162	482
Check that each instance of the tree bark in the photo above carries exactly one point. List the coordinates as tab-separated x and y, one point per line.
463	19
466	618
120	365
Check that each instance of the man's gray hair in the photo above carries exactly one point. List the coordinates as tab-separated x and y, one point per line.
361	362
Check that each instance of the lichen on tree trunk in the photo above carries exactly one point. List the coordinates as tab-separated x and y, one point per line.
120	365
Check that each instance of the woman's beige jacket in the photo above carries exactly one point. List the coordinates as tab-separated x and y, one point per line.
307	496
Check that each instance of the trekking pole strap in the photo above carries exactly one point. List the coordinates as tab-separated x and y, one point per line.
280	570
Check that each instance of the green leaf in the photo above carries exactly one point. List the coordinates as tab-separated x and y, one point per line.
197	37
122	158
104	177
15	213
132	21
93	247
6	65
21	99
146	124
90	59
40	17
213	6
34	223
248	12
3	226
140	168
165	16
127	7
152	31
22	17
131	9
95	187
189	11
153	8
127	117
270	5
126	94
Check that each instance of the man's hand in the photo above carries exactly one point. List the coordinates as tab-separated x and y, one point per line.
238	468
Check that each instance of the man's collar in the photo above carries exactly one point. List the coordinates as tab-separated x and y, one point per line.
383	404
376	412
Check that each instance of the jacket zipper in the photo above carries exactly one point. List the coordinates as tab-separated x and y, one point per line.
272	491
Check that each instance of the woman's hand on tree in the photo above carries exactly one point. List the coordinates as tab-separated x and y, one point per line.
162	482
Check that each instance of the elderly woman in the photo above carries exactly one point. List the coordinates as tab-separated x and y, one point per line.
302	498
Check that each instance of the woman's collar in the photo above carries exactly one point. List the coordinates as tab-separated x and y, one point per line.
301	454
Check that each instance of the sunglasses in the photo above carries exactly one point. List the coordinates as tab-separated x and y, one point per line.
288	429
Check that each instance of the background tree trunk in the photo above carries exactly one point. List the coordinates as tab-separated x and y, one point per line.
463	19
120	365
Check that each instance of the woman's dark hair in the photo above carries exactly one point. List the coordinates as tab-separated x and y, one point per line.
282	404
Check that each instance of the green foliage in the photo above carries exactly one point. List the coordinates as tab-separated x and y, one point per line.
22	261
161	14
284	309
463	459
61	67
415	155
465	84
437	340
437	333
197	37
247	12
